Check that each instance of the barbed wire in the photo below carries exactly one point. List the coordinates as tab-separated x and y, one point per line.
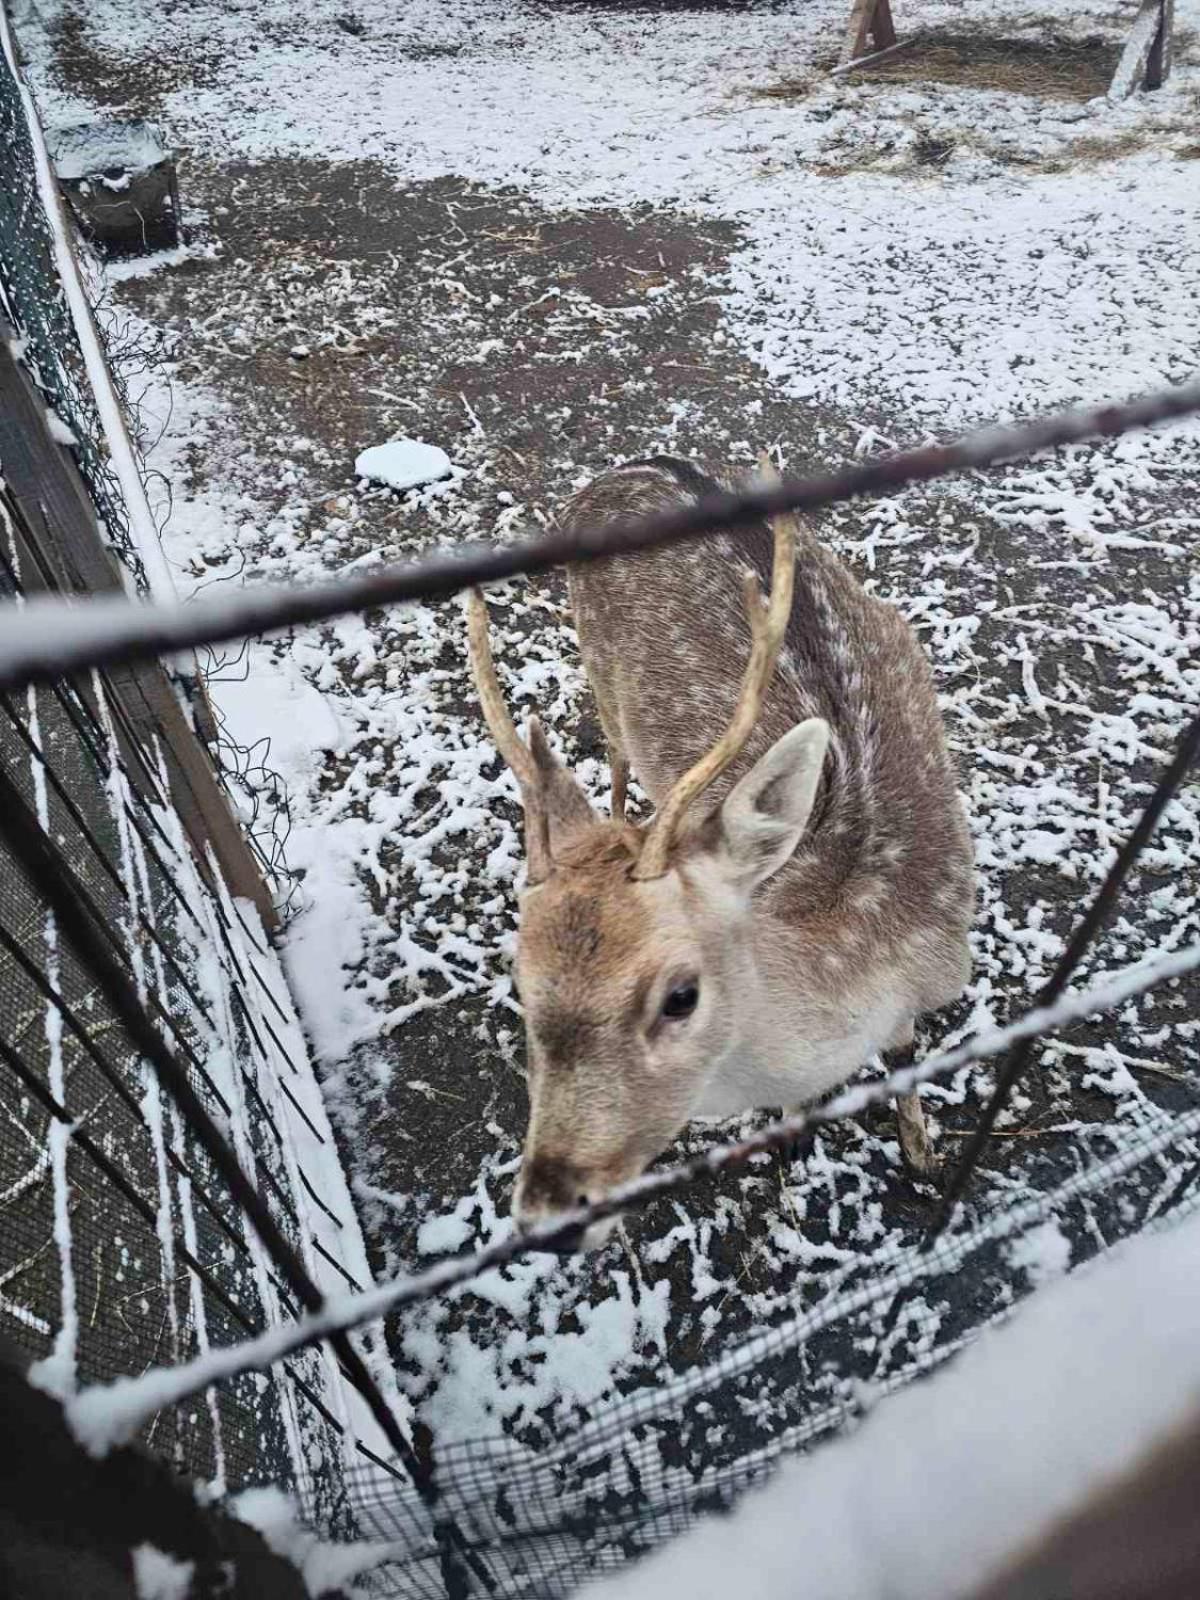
51	636
110	1414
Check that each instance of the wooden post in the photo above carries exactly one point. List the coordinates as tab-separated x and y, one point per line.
70	1524
60	527
1138	1539
1158	67
869	19
1146	59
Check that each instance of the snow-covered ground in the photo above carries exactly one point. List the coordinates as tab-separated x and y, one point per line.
543	236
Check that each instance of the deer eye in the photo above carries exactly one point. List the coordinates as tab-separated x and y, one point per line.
681	1001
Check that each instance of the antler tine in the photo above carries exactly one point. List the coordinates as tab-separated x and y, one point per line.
768	625
513	749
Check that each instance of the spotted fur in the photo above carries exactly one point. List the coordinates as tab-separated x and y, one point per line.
832	956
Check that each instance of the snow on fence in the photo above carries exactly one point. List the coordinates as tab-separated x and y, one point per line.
122	1243
168	1183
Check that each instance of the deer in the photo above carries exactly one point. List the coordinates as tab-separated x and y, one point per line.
804	889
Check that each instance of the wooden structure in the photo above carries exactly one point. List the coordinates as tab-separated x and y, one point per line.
120	180
1145	61
63	551
870	20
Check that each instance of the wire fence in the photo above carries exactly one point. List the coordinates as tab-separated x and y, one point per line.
102	634
32	300
159	1224
124	1242
547	1516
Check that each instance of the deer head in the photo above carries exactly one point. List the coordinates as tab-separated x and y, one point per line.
636	964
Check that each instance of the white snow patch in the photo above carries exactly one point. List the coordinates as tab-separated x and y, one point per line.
59	431
90	148
159	1576
324	1567
403	463
440	1235
1044	1252
275	705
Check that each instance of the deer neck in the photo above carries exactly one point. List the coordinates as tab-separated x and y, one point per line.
815	1008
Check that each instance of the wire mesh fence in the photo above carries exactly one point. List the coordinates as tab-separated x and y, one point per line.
32	299
121	1245
546	1512
118	1234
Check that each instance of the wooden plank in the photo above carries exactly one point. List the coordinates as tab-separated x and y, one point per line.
1131	73
199	800
46	483
883	29
862	13
64	550
875	56
1138	1539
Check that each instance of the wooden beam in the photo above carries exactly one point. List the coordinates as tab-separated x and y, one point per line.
1137	1540
1158	68
68	555
869	19
1146	59
860	62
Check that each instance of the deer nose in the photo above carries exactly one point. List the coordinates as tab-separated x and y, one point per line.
569	1243
547	1187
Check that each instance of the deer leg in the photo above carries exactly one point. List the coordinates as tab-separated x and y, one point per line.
619	766
916	1147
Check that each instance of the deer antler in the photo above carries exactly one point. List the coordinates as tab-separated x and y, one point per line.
513	749
768	624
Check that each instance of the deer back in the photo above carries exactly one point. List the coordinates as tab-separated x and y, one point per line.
664	639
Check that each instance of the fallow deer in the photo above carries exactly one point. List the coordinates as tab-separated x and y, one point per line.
804	889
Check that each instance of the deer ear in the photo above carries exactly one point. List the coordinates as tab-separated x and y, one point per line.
567	807
763	817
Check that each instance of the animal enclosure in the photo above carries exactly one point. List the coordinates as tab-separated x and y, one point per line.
572	1417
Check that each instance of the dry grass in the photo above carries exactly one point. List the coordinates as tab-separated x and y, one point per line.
1053	68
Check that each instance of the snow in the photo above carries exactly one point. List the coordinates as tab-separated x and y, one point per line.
403	463
1044	1252
949	1477
159	1576
439	1236
324	1567
91	148
59	431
